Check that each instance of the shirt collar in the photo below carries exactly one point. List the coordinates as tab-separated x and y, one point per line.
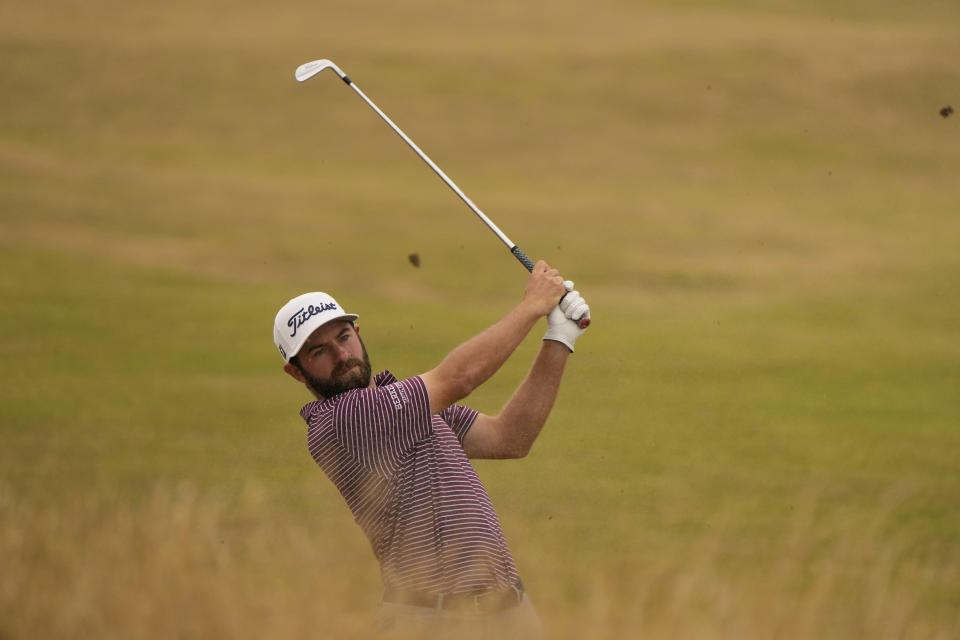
384	377
381	379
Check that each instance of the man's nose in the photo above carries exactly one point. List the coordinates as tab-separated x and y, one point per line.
340	353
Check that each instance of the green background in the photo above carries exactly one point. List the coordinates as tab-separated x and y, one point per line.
758	437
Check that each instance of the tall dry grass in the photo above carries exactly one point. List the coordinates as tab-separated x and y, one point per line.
842	579
176	566
182	565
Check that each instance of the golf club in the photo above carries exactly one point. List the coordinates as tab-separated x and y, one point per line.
310	69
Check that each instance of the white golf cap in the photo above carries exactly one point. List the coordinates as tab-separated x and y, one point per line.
300	317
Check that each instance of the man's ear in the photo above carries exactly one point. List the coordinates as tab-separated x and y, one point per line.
294	372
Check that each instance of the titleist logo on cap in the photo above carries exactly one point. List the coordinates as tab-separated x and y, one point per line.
300	318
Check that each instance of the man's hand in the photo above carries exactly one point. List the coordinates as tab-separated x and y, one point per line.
544	289
562	323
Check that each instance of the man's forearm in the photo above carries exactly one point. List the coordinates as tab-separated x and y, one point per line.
476	360
522	418
473	362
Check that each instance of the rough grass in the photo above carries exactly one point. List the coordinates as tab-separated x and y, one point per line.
183	564
757	438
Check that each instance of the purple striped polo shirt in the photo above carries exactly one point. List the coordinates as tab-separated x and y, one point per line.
410	486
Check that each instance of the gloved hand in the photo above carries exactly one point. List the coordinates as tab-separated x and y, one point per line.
562	323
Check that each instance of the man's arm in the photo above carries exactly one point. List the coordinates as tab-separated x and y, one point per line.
473	362
511	433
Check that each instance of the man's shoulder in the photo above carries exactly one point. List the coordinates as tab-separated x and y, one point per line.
385	384
313	411
317	408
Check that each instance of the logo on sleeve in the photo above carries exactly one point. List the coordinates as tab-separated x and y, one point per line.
398	396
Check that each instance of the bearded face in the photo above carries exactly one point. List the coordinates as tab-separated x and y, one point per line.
350	374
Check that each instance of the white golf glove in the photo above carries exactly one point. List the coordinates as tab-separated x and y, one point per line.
562	325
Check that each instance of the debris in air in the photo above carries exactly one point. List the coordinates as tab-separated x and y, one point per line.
946	111
414	259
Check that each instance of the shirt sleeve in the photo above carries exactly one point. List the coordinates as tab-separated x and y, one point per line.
377	426
460	419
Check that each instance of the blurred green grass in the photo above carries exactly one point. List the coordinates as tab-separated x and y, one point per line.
758	200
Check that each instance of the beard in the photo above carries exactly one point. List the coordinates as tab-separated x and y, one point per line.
340	380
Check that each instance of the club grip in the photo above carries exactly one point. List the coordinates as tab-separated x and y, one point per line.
522	257
583	321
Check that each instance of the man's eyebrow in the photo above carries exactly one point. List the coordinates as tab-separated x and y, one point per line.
316	345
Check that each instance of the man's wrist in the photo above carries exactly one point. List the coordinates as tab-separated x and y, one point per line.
528	311
557	345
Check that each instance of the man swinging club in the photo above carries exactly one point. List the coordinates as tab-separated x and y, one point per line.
398	452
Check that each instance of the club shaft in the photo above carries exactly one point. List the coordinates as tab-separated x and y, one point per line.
308	70
443	176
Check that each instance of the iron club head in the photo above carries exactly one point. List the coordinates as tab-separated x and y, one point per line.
309	69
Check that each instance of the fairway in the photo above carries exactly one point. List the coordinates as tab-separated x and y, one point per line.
758	437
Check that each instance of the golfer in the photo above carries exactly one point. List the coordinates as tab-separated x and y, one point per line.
398	452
